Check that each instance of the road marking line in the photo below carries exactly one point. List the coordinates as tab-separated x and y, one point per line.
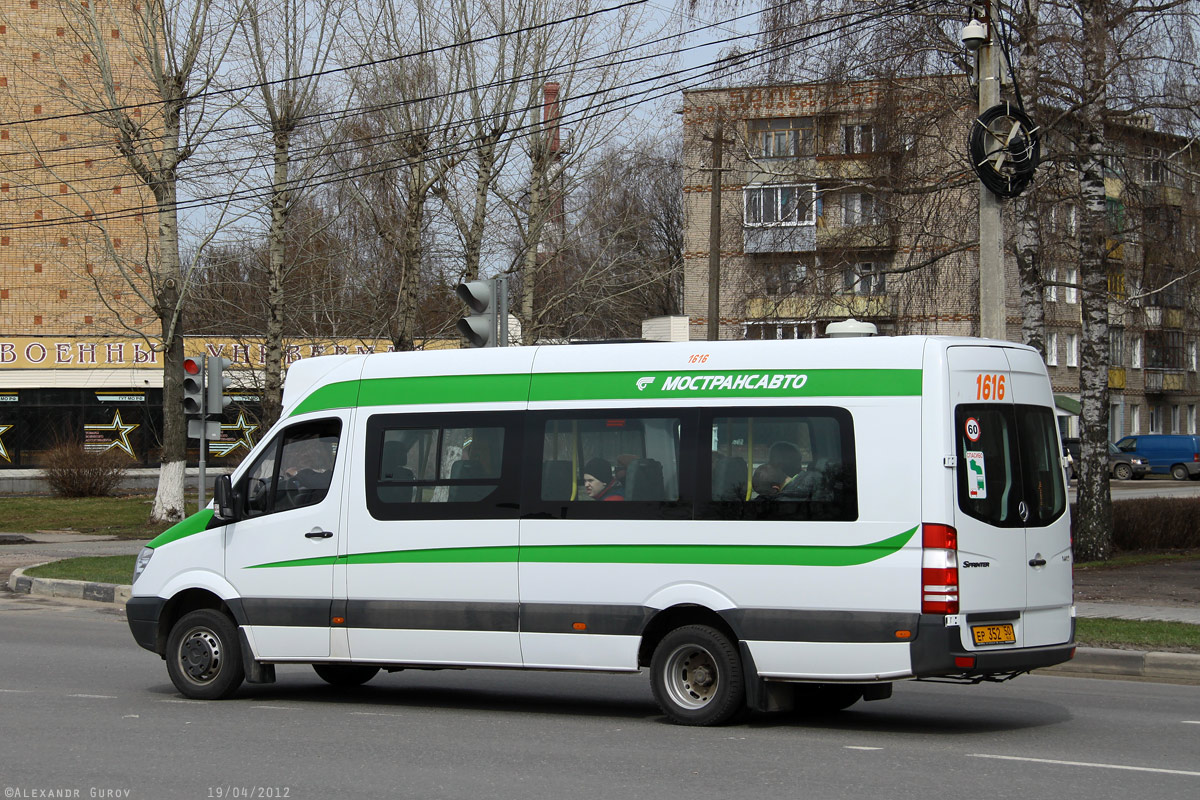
95	696
1086	764
372	714
1185	722
859	747
16	691
280	708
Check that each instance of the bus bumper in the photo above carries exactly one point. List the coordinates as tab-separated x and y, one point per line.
937	651
143	614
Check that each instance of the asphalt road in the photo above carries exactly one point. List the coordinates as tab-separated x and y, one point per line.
89	714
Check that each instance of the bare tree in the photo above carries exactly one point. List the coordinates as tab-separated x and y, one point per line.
288	44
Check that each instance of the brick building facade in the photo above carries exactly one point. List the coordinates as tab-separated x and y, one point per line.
855	200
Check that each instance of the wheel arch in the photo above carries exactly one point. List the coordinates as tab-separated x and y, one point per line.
677	616
185	602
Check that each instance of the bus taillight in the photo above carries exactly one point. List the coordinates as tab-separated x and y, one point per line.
939	569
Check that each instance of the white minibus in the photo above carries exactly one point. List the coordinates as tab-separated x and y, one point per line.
761	525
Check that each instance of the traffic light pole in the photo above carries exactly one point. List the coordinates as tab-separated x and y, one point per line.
203	436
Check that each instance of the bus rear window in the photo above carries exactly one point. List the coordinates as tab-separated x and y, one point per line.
1009	465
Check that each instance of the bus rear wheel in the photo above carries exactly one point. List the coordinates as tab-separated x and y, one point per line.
696	675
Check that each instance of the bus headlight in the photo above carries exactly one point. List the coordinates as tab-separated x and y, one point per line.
143	559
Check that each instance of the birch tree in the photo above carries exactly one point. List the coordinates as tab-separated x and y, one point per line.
288	45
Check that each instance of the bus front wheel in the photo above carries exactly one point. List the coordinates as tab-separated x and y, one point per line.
696	675
204	658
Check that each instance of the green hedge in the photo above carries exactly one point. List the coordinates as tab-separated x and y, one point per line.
1154	523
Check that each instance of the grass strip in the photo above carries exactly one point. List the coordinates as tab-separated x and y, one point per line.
1127	634
127	516
99	569
1138	559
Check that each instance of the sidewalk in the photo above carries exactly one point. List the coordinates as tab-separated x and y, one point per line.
46	546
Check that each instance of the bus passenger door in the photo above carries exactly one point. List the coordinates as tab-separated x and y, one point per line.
431	563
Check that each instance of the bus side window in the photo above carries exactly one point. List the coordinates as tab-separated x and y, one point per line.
442	466
784	466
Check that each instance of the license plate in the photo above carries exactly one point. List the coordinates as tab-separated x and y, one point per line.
993	634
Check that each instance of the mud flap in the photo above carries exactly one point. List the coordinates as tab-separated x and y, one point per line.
761	695
256	671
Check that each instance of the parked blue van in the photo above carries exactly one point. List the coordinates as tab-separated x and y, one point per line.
1176	454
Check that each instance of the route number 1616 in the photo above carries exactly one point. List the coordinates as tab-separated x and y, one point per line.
989	387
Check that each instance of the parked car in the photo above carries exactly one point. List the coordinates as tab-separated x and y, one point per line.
1175	454
1121	465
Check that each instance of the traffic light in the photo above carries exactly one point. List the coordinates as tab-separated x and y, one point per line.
193	385
488	302
480	327
218	382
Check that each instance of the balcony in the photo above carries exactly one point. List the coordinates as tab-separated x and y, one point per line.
780	238
824	307
1161	381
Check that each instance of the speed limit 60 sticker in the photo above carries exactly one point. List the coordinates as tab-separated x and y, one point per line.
972	429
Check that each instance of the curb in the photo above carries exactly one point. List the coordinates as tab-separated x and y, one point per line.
113	593
1088	661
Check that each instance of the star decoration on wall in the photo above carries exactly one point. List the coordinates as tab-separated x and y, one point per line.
244	430
120	435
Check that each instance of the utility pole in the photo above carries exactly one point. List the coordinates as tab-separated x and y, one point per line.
992	312
714	234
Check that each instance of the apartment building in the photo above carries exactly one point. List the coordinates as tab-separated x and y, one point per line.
856	200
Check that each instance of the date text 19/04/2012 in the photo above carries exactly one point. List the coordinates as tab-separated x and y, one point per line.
249	792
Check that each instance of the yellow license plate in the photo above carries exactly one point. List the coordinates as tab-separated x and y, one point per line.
993	634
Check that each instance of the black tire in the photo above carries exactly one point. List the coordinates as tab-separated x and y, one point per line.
696	675
1122	472
345	676
204	657
826	698
1179	472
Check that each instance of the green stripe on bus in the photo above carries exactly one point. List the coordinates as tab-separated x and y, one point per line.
413	391
559	386
186	527
730	554
725	383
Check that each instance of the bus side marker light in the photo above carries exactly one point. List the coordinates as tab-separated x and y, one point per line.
339	620
579	626
903	634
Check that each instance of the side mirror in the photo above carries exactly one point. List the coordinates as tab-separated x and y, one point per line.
223	499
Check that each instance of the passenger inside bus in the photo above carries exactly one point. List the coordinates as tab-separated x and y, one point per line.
599	482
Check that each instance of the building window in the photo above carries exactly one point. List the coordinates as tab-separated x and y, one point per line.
788	137
1072	350
780	205
1050	293
858	139
1164	349
1191	418
1052	349
860	208
1191	356
1154	168
1136	360
1071	292
865	277
1116	347
1135	419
